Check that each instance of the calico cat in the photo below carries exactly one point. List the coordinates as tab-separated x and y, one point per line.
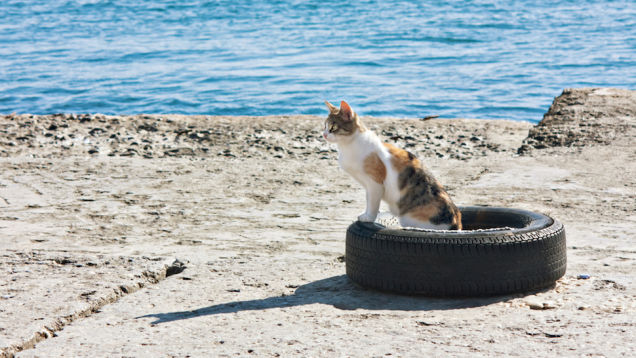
390	174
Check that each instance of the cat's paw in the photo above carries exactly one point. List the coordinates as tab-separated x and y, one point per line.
364	217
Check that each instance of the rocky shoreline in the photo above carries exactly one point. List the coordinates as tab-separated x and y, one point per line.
160	136
583	117
577	118
168	235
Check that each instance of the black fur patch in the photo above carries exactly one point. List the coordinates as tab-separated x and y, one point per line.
422	188
444	216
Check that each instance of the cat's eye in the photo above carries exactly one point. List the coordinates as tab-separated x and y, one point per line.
333	127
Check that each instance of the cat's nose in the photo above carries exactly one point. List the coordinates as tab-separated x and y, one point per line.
324	135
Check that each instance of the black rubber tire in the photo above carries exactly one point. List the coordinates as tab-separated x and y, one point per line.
530	256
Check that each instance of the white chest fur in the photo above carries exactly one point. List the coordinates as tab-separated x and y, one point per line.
351	155
351	158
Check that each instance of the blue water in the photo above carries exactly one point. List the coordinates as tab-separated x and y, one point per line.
478	59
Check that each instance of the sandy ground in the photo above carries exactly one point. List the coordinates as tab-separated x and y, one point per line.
94	211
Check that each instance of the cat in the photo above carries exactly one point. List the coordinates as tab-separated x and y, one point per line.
390	174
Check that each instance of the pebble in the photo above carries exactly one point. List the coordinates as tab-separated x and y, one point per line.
535	305
548	305
553	334
540	305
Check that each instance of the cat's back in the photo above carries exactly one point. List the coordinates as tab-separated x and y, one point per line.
415	194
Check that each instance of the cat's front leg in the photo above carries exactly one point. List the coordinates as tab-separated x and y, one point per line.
375	192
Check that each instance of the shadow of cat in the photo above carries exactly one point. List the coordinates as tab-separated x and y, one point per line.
336	291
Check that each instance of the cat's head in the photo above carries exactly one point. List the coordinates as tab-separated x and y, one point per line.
341	124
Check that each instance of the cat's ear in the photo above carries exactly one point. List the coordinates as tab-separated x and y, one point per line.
345	111
332	108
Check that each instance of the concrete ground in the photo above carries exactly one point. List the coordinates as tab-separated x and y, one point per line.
241	255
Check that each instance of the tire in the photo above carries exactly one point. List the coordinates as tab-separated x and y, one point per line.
529	254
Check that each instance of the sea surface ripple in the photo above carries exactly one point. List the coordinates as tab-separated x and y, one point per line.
477	59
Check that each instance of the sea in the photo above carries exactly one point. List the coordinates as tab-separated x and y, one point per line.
484	59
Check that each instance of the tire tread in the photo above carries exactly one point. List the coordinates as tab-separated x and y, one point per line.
502	264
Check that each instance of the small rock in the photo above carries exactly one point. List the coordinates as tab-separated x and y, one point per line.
583	276
534	304
553	334
126	288
426	323
175	268
147	127
88	293
129	152
96	131
64	261
548	305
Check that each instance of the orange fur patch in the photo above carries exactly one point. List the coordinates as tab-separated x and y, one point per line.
401	158
375	168
457	220
424	213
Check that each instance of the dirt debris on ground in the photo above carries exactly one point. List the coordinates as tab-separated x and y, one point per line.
169	235
272	138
